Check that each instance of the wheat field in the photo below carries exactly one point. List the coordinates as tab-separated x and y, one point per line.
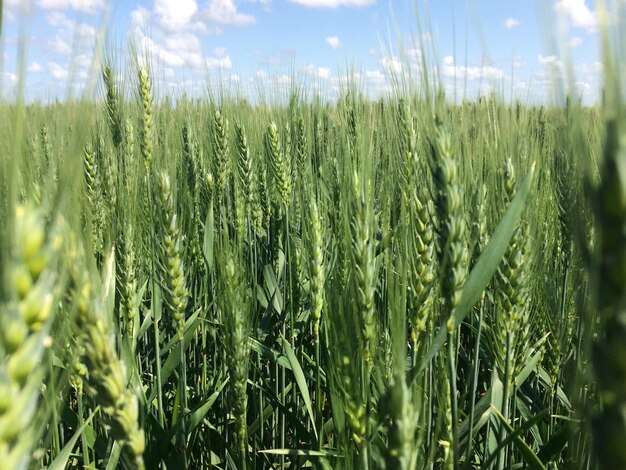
403	283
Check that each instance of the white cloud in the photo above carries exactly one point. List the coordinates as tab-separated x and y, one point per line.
489	72
56	19
283	79
57	71
549	60
333	41
486	72
225	12
220	61
375	82
11	77
511	23
583	88
589	72
79	31
414	53
8	82
522	87
282	58
70	36
12	5
174	50
83	61
552	78
35	67
391	64
333	3
374	75
174	15
577	13
264	3
220	51
60	45
594	68
186	47
575	42
321	73
139	17
84	6
485	89
551	68
168	32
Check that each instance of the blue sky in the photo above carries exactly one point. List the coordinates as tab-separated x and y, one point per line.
517	47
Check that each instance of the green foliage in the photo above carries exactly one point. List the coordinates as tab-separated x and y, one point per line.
358	285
